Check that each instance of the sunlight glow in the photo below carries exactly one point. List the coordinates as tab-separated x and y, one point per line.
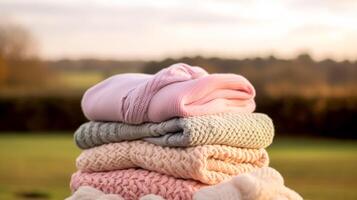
156	29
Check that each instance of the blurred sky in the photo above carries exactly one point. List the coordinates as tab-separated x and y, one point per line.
134	29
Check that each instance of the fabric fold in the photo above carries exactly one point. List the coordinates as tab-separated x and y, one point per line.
132	184
262	184
253	130
90	193
176	91
209	164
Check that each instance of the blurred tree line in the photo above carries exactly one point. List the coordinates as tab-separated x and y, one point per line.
19	65
273	77
303	96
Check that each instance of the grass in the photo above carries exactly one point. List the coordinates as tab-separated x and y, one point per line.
36	164
318	169
41	165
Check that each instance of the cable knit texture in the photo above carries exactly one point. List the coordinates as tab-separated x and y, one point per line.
253	130
132	184
209	164
263	184
177	91
90	193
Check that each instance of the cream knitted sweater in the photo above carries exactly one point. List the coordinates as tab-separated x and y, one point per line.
90	193
263	184
209	164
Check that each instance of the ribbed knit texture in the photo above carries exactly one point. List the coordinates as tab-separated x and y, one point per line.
209	164
254	130
90	193
176	91
132	184
263	184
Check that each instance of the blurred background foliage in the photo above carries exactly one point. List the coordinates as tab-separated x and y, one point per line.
303	96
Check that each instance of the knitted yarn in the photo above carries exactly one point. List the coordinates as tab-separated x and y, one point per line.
263	184
254	130
133	184
177	91
90	193
209	164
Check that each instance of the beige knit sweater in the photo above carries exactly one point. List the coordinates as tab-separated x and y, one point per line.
209	164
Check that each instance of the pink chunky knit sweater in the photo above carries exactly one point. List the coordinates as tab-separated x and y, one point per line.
132	184
209	164
263	184
177	91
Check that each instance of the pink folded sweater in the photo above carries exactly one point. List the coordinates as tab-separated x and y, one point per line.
177	91
263	184
132	184
209	164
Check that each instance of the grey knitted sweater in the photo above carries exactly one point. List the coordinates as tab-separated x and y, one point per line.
254	130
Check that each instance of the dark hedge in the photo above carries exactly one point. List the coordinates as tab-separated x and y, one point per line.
326	117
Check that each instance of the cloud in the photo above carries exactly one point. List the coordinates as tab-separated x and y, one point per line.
135	13
313	29
337	6
152	29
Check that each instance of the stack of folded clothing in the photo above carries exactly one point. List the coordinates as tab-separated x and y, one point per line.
172	134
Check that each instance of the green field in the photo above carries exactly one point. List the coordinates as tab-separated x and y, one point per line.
41	165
